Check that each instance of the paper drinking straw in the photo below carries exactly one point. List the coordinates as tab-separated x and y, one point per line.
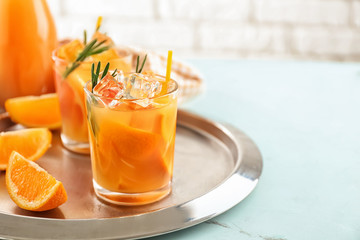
168	66
98	23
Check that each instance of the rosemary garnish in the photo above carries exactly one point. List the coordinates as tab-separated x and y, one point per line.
114	73
85	37
92	48
95	75
106	69
137	64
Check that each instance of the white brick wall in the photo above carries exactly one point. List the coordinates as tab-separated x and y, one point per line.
306	29
332	12
136	9
242	37
149	34
356	12
204	10
311	40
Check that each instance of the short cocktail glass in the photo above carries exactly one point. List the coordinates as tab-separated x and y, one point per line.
70	89
132	145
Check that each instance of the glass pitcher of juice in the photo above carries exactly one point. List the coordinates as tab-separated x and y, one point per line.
27	39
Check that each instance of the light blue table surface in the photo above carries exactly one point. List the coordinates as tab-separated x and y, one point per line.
305	119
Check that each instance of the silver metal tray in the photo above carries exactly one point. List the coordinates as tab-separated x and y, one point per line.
216	167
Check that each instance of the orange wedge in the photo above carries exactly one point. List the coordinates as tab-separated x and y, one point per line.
106	56
101	37
31	143
31	187
128	142
70	51
129	159
35	111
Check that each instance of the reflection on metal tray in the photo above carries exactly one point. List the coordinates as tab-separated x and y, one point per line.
216	167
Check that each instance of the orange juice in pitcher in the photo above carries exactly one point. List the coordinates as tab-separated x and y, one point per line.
27	39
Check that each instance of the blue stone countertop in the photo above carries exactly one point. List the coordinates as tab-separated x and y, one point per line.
305	119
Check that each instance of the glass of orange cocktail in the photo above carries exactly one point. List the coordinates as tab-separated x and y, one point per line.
132	125
69	86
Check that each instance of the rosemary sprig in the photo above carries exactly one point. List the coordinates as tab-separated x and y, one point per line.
142	65
85	37
92	48
95	75
106	69
114	73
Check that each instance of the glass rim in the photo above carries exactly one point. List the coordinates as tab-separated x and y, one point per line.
55	57
173	91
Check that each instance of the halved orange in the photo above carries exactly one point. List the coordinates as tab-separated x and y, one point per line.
31	143
35	111
31	187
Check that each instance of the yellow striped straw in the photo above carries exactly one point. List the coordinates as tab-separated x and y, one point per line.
98	23
168	66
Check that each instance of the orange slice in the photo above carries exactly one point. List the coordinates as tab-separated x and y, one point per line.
128	142
31	187
31	143
35	111
129	159
70	50
111	56
105	56
101	37
73	110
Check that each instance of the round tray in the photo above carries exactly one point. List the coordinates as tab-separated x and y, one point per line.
216	167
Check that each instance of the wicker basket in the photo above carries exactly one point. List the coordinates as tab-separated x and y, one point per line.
191	82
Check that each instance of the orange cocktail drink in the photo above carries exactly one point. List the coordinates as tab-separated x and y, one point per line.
70	89
132	137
